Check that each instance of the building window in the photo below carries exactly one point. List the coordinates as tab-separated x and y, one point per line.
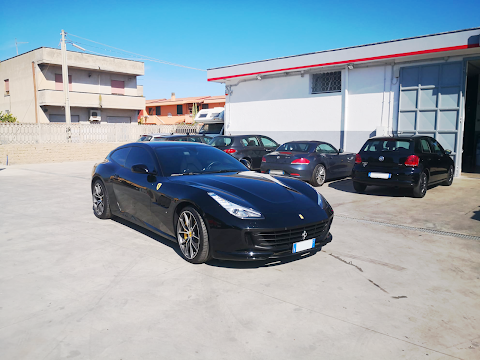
59	82
118	87
151	111
179	109
327	82
7	87
204	106
157	110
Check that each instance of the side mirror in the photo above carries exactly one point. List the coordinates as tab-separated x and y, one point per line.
448	152
140	169
340	151
244	162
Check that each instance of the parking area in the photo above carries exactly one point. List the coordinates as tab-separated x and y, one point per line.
400	280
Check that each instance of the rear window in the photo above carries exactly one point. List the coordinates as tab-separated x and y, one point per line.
388	145
221	141
159	139
294	146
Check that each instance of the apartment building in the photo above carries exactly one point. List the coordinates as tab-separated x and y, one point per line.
101	88
176	111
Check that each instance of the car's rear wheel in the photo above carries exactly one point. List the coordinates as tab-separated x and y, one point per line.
359	187
192	236
319	175
101	203
449	180
420	189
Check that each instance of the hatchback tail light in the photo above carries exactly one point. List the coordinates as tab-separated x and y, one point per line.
301	161
412	160
230	151
358	159
263	159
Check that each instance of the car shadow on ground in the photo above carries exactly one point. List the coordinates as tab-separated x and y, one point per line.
346	185
476	215
252	264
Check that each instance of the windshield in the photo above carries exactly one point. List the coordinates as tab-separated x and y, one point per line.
144	138
388	145
294	146
184	160
215	128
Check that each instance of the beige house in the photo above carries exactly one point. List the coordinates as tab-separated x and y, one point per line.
102	89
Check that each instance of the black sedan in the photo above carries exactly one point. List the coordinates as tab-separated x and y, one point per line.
413	162
313	161
209	202
250	148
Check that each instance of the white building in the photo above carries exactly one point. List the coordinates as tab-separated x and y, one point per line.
100	87
344	96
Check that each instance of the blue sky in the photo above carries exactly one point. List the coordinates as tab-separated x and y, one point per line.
207	34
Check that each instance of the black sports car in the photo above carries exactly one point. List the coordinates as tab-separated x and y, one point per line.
313	161
209	202
413	162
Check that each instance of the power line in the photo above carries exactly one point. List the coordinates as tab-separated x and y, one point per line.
143	56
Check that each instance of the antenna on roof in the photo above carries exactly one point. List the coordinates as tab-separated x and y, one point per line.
19	42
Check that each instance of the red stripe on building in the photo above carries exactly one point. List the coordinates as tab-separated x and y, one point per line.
451	48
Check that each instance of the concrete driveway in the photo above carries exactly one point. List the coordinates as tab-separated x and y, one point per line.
403	286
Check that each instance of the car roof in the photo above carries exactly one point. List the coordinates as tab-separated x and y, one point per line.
399	137
157	144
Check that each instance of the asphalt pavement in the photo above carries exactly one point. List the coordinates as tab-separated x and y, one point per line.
400	280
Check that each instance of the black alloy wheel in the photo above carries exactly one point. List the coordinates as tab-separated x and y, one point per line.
248	164
319	175
192	236
359	187
449	180
101	203
420	190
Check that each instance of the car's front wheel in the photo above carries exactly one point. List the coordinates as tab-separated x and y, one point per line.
101	203
319	175
192	236
449	180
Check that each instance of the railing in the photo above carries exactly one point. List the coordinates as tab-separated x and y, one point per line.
83	133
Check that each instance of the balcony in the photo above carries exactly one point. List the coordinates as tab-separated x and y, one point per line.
91	100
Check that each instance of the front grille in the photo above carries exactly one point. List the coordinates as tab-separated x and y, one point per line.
285	238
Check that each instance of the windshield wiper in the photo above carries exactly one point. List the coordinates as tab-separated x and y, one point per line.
219	171
190	173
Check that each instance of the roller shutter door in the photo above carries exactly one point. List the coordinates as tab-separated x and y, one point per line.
118	119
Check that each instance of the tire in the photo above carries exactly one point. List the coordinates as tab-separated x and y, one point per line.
319	175
420	189
192	236
359	187
249	164
101	203
449	180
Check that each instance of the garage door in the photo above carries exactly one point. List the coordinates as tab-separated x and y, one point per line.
430	99
61	118
118	119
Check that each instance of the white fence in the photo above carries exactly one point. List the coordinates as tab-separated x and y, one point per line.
83	133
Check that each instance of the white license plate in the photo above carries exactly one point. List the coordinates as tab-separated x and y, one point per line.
277	172
303	245
376	175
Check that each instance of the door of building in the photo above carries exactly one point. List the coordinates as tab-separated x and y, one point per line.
430	101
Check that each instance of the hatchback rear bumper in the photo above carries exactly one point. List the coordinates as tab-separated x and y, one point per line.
407	177
300	171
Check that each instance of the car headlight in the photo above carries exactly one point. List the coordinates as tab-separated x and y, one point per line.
322	202
235	209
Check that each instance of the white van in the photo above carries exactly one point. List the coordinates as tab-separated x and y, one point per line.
212	119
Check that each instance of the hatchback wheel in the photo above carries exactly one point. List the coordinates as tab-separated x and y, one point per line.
359	187
101	204
248	164
192	236
319	175
420	190
449	180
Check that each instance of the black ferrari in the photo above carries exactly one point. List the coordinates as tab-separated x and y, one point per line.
209	202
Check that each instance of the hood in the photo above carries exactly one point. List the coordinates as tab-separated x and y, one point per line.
261	191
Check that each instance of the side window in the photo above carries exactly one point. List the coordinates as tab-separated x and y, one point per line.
326	148
424	146
267	142
222	141
436	147
140	156
250	141
120	155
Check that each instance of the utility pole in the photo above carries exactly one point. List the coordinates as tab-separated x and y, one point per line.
16	44
65	80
